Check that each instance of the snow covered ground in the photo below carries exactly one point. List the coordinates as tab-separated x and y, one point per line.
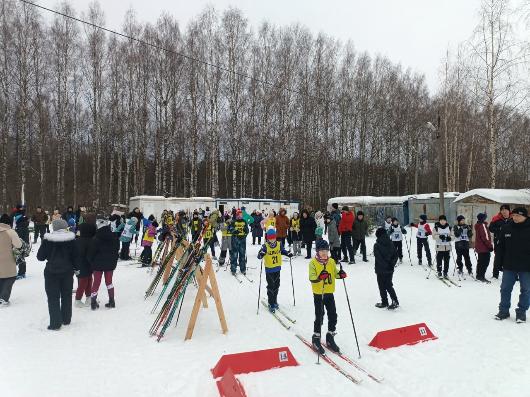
109	352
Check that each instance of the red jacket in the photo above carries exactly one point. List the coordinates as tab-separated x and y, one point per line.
483	243
346	222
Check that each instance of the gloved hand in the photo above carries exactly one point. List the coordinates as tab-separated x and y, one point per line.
324	275
411	225
342	274
448	238
77	272
290	255
443	237
261	254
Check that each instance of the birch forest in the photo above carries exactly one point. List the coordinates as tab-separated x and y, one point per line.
225	109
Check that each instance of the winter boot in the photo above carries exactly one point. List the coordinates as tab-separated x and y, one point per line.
317	346
79	303
94	305
394	305
520	317
420	263
352	262
502	315
446	276
365	259
111	304
330	342
381	305
440	275
272	308
88	301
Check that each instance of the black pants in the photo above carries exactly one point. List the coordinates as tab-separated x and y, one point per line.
497	264
39	232
222	257
308	245
463	252
362	244
423	243
273	286
329	307
146	256
482	264
254	240
21	266
398	245
282	242
346	246
384	282
335	254
124	253
58	288
212	246
6	284
442	256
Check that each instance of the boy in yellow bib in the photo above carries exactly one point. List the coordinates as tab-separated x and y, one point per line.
322	275
271	252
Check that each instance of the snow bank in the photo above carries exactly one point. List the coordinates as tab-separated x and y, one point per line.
508	196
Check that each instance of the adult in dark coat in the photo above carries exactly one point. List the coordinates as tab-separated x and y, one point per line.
257	231
69	214
59	250
385	260
22	229
103	259
87	232
359	233
497	222
514	246
307	230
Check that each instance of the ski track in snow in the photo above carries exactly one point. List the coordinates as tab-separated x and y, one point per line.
109	352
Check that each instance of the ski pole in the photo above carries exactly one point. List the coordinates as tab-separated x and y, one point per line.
351	316
259	290
453	259
292	280
408	249
321	314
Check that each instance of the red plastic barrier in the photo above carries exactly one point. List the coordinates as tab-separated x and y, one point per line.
408	335
229	386
256	361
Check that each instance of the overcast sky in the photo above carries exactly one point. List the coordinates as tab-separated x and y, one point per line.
414	33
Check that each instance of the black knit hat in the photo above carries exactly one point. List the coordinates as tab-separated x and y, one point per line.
505	207
521	211
481	217
360	213
423	217
442	217
380	232
321	245
335	206
460	218
6	220
345	208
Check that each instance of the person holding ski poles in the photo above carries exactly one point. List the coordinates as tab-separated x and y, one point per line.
322	275
271	252
422	235
442	236
396	233
463	234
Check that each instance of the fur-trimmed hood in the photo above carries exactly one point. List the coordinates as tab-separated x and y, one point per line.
59	236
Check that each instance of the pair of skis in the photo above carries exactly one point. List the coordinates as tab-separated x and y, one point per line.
337	367
240	280
283	318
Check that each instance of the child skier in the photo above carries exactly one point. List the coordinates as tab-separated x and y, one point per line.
226	238
422	242
442	236
195	226
385	261
295	234
210	236
271	252
147	242
463	234
396	232
322	275
239	230
129	230
388	223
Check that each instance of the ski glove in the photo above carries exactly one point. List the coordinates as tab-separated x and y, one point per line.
290	255
324	275
261	254
448	238
342	274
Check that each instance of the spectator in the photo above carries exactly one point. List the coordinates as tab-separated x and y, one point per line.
39	220
498	221
8	269
307	230
345	231
282	226
360	231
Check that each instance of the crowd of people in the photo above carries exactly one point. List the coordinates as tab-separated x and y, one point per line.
89	246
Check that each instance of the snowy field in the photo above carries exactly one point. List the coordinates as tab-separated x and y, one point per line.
109	352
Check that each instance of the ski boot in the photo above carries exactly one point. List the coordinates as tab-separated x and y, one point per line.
352	262
111	304
272	308
446	276
94	305
400	260
317	346
502	315
394	305
79	303
20	277
381	305
440	275
420	262
330	342
520	317
365	259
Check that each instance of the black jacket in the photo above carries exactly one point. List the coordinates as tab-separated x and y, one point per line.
103	251
514	246
307	229
60	252
83	243
385	255
495	227
360	229
22	228
458	230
